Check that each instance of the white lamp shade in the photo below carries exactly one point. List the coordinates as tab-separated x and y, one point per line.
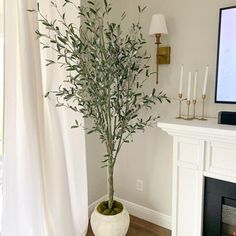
158	25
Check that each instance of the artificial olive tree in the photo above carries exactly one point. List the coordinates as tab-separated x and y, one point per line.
107	70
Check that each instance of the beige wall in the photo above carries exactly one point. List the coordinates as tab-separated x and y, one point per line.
193	29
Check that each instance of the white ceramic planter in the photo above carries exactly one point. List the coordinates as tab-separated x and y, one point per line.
116	225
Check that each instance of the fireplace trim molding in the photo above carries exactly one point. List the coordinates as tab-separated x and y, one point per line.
200	149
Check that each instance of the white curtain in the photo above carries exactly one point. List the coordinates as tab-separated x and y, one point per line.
45	182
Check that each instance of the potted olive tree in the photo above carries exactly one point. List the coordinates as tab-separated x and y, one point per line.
107	70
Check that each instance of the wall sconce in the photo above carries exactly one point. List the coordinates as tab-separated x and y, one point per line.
158	27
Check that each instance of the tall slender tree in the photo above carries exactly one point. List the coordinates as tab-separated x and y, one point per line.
107	70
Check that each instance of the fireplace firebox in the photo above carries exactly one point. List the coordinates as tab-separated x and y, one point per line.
219	208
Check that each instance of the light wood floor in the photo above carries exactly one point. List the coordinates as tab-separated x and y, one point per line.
140	227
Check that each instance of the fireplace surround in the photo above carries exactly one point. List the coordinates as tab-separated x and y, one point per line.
201	151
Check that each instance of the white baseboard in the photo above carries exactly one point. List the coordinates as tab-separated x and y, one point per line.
141	212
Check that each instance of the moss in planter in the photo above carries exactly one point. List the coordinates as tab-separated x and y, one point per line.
116	209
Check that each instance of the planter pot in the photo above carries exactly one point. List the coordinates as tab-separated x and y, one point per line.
110	225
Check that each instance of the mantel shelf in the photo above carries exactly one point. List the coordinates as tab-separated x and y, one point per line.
196	128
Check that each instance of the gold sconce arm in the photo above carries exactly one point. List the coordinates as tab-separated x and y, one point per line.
163	54
158	42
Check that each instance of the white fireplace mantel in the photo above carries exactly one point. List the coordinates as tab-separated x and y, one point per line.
200	149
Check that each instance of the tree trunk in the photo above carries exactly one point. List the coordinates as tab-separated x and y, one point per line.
110	186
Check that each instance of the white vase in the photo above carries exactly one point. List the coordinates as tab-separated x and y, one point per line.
110	225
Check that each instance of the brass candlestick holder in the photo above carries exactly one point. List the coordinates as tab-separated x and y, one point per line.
194	108
180	106
203	107
188	114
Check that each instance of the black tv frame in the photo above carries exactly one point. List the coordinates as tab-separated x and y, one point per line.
218	54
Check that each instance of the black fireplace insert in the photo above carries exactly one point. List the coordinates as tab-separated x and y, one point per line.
219	208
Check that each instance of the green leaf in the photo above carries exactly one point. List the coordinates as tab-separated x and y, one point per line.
53	4
74	126
63	40
143	9
105	160
91	131
104	166
105	2
123	15
134	116
139	9
38	33
90	2
47	94
50	62
66	2
93	11
47	24
153	92
59	105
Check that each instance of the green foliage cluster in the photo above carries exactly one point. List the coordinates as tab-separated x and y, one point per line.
107	70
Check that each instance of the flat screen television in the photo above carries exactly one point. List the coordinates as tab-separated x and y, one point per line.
226	57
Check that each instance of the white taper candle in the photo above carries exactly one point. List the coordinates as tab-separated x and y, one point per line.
181	79
195	86
205	81
189	86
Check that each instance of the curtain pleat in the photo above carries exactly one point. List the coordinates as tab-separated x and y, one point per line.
45	177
